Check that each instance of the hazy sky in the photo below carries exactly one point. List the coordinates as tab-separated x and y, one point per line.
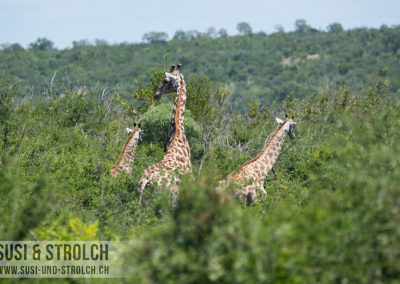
23	21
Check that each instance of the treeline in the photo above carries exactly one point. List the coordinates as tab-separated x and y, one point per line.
252	65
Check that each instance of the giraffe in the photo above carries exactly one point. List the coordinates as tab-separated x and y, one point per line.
169	85
251	174
176	160
125	160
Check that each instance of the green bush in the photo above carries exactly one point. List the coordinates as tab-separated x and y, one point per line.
156	126
24	205
344	232
331	213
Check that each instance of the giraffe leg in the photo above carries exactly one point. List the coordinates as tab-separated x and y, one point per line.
240	193
173	193
142	185
262	189
249	199
250	194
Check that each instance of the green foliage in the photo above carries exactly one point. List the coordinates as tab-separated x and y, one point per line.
301	26
258	114
143	92
66	229
244	28
156	124
42	44
206	99
331	213
78	108
254	106
223	33
200	216
155	37
257	66
335	28
8	90
24	204
336	222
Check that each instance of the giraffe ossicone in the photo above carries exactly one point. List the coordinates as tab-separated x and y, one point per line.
176	160
127	157
251	175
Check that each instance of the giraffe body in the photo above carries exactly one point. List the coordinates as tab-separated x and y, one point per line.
252	174
176	160
127	157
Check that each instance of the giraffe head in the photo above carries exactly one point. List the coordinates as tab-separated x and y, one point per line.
288	126
125	160
137	132
170	82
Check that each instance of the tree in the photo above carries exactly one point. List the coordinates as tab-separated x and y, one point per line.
15	47
206	103
193	34
156	123
301	26
254	109
212	32
155	37
101	42
81	43
42	44
279	28
180	35
335	27
223	33
244	28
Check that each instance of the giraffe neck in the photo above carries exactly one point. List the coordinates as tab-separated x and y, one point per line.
264	162
127	156
178	138
177	123
180	104
271	151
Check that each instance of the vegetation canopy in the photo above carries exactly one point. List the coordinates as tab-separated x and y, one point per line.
331	213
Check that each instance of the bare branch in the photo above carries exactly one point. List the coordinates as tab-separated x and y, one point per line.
51	83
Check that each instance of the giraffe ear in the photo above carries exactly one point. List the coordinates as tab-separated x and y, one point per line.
129	130
280	121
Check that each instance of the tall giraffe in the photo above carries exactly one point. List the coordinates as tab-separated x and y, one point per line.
169	85
125	160
176	160
252	174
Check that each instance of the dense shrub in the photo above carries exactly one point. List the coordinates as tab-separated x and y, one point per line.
331	213
156	124
340	224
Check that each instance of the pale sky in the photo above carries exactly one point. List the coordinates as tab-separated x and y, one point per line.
23	21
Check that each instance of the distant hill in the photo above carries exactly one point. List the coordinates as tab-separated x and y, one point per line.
253	66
